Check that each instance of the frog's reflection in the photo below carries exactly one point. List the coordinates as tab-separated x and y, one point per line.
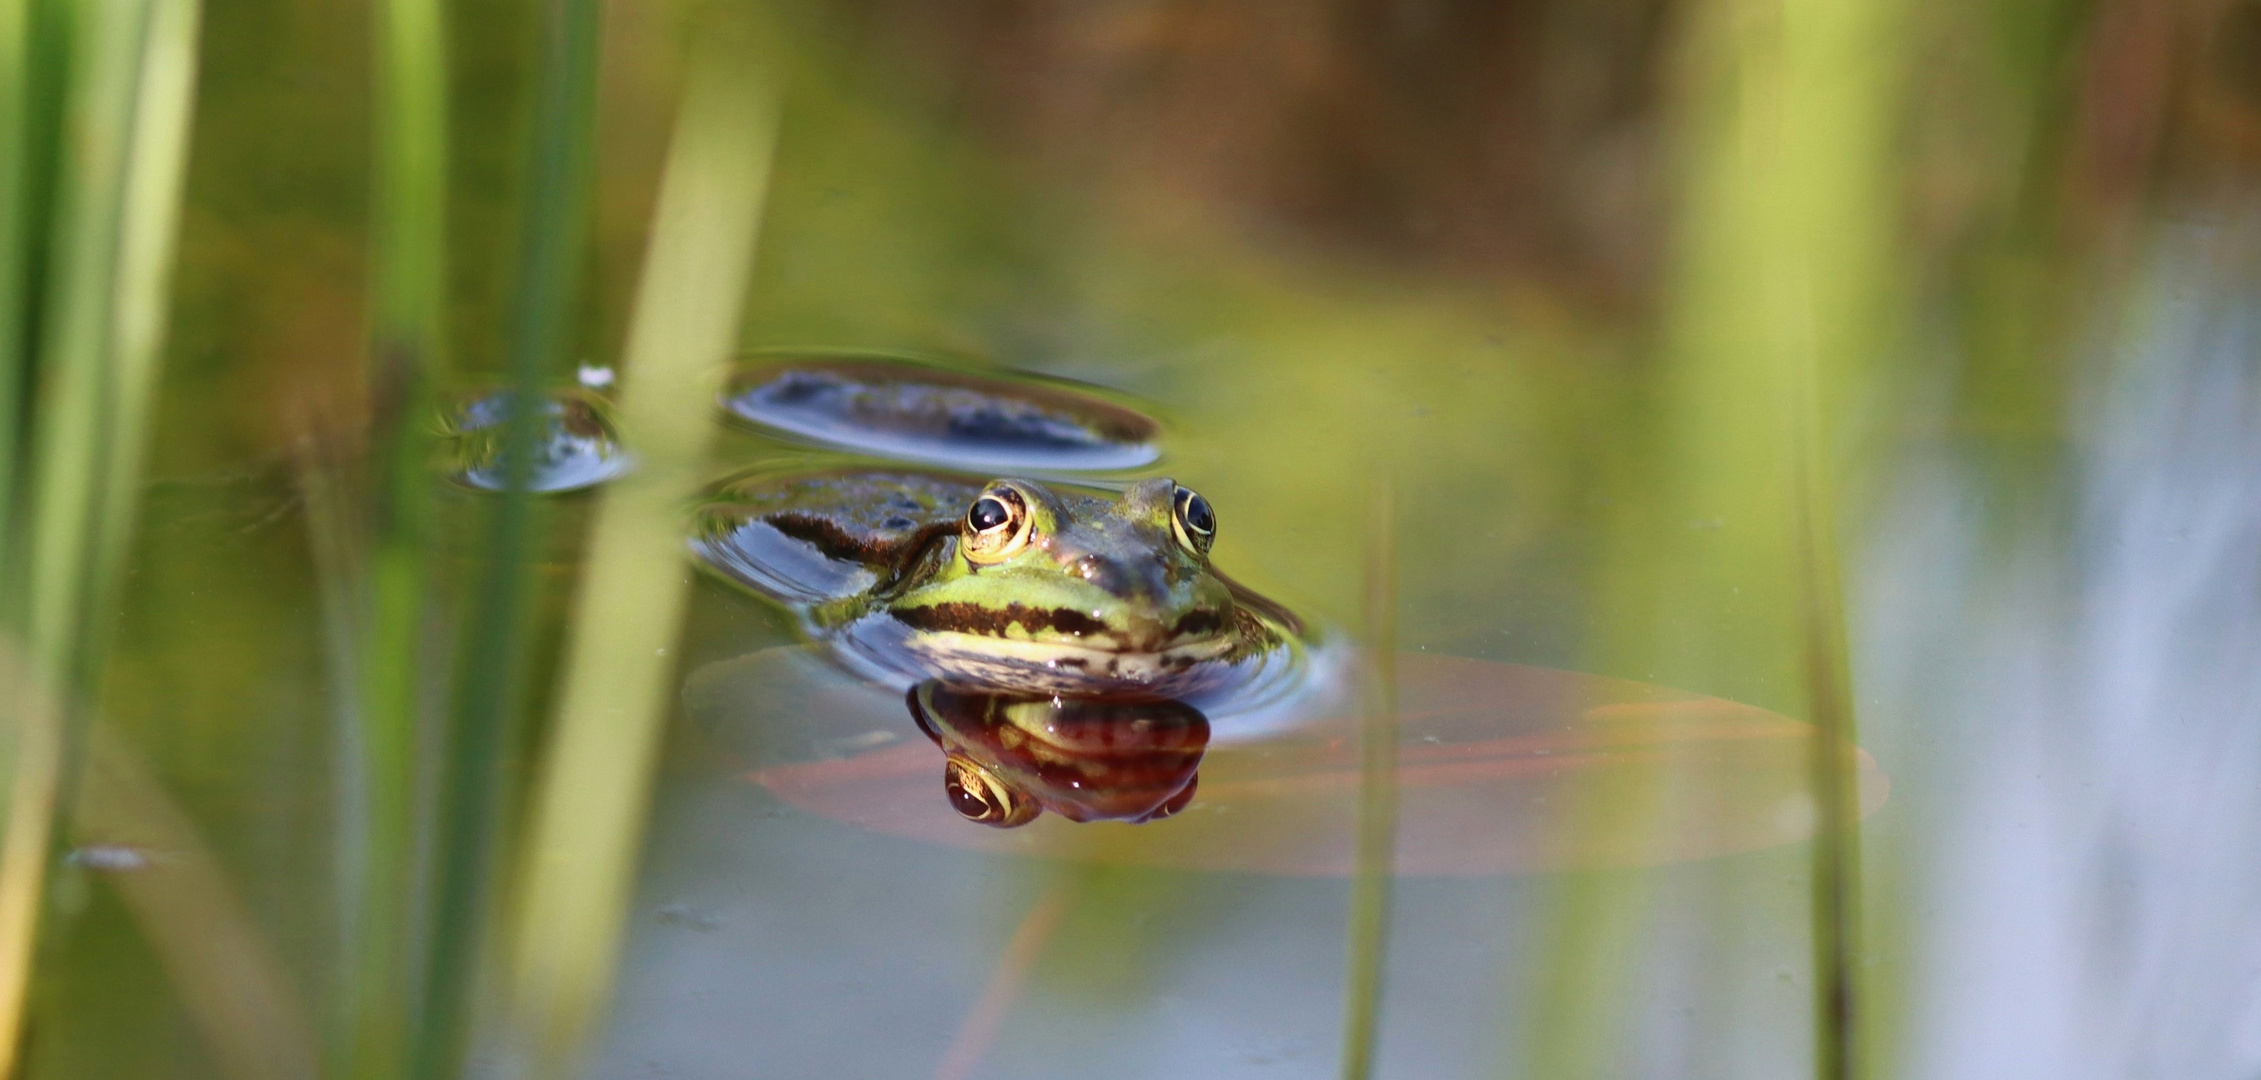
1009	758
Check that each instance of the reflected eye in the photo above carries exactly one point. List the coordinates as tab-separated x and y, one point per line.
1193	521
1176	802
980	797
996	525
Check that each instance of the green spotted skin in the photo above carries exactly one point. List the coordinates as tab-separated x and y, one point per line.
1070	590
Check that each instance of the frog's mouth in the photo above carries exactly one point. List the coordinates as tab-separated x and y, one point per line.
1099	659
1049	648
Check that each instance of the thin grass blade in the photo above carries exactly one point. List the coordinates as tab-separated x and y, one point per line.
125	145
1785	296
407	230
596	773
1367	936
15	258
493	660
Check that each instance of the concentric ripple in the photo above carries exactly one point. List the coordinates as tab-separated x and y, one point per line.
578	448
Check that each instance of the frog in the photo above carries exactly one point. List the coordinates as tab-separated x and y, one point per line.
1008	584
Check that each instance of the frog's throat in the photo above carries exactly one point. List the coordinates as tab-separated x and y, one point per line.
986	658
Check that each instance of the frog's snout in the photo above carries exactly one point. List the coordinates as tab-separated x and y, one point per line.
1141	580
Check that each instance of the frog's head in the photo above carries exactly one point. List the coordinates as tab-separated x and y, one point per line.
1114	590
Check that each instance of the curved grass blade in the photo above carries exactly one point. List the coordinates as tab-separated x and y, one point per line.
126	138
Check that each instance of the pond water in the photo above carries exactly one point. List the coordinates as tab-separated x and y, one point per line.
979	936
2064	800
1777	645
2049	863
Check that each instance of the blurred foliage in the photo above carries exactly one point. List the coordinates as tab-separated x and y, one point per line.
1515	252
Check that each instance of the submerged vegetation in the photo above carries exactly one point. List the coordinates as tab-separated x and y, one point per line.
358	691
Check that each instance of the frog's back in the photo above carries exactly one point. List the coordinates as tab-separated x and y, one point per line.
810	537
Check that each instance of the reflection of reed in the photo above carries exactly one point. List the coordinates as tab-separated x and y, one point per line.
978	1031
220	963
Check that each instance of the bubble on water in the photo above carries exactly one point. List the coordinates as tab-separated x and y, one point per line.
904	409
577	448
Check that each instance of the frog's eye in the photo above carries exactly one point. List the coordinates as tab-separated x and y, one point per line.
996	525
978	796
1193	521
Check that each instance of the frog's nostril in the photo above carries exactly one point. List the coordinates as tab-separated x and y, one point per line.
1105	573
1118	578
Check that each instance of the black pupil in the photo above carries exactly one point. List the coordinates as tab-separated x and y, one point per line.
967	802
1198	516
987	514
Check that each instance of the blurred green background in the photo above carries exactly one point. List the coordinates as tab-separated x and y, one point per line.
1888	365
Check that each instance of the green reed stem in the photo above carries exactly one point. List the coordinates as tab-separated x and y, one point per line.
15	258
162	114
118	182
1367	937
1789	278
1832	766
19	883
491	688
74	438
68	451
407	229
333	536
596	773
